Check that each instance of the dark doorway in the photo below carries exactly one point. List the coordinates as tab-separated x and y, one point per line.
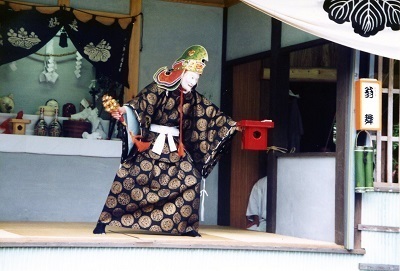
317	106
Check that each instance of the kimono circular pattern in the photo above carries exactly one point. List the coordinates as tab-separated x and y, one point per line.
162	192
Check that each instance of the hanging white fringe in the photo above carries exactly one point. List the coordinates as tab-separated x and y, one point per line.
78	65
203	193
49	73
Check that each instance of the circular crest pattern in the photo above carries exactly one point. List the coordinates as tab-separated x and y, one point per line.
190	180
167	224
137	194
155	228
170	104
201	124
118	212
123	199
174	184
116	187
189	195
144	221
129	183
127	220
145	165
152	98
186	166
111	202
169	208
177	218
134	171
157	215
105	217
148	208
172	171
142	179
163	193
122	172
131	207
186	210
152	197
179	202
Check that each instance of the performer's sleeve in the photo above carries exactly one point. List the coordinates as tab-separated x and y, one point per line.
144	106
133	125
219	130
224	128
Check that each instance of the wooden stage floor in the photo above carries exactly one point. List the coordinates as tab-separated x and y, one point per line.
56	234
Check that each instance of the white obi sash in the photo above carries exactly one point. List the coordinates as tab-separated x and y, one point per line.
160	140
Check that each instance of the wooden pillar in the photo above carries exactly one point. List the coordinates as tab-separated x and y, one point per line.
279	88
342	99
224	166
134	51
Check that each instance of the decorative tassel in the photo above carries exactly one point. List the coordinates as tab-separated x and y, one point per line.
203	193
141	145
181	147
63	39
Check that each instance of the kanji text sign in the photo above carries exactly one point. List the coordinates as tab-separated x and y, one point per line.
368	104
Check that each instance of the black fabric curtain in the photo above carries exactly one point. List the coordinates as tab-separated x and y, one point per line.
24	32
106	47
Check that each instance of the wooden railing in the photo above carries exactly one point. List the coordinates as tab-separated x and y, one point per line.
386	170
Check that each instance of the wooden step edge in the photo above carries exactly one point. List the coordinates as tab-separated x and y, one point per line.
380	267
390	229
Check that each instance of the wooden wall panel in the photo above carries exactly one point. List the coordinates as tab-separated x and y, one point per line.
324	56
244	164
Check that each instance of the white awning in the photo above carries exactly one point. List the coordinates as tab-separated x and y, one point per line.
366	26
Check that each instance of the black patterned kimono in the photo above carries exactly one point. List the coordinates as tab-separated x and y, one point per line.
161	193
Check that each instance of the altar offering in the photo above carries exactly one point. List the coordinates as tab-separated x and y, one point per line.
19	126
75	128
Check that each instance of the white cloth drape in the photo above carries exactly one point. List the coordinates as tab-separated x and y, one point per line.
310	16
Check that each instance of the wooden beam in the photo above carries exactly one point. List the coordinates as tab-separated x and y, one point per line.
229	3
64	3
362	227
386	187
375	267
213	3
307	74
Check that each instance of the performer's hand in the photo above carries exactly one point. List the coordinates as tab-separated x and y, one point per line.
117	114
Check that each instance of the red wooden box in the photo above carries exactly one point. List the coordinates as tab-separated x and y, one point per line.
255	134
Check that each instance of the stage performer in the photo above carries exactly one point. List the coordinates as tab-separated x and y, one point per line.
181	137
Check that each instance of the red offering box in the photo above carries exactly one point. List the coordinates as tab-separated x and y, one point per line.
255	134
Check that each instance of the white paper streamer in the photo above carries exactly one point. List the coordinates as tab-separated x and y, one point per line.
78	65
